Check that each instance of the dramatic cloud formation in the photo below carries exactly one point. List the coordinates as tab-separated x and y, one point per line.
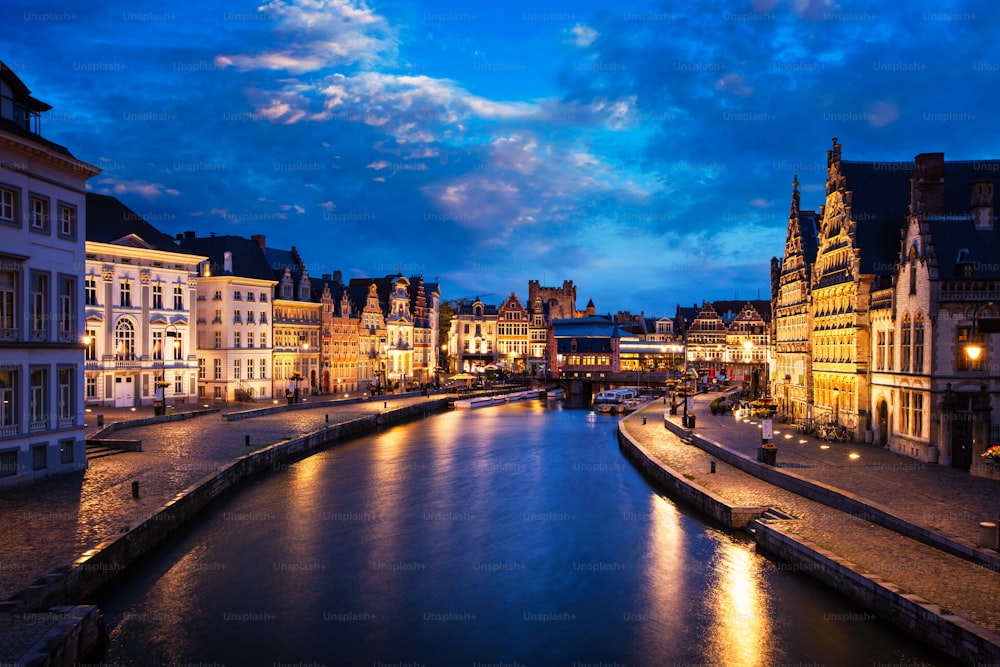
644	151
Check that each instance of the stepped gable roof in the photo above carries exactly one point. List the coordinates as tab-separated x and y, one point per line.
109	220
880	203
249	260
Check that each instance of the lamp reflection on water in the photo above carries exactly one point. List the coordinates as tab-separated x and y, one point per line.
742	625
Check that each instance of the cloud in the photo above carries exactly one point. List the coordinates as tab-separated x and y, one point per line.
321	34
583	35
733	84
144	189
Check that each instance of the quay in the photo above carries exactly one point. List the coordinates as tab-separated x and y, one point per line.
911	575
65	536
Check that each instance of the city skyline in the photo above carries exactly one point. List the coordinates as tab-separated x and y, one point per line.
644	152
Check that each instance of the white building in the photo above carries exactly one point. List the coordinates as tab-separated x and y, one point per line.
42	212
234	314
139	289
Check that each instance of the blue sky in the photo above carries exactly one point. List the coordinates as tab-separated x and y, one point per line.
643	150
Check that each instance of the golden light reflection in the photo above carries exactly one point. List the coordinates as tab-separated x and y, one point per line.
802	441
741	627
824	446
854	455
665	592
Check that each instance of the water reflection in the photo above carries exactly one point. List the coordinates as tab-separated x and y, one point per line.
737	604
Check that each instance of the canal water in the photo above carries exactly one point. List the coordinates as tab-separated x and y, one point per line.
507	535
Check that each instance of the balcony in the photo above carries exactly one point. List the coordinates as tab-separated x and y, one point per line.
38	427
9	430
7	334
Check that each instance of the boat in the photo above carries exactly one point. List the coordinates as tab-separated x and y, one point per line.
555	394
499	399
477	402
616	400
604	408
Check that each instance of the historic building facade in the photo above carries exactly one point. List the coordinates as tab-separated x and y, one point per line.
901	307
140	290
473	341
340	361
513	335
234	318
42	216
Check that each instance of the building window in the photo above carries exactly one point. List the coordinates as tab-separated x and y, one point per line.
8	206
38	399
250	319
8	463
178	297
263	317
10	411
263	340
158	296
237	319
67	309
962	361
249	340
236	340
90	348
237	364
8	305
157	346
39	219
90	291
250	296
263	369
91	385
218	317
217	392
263	297
905	347
125	294
216	369
217	296
178	383
904	412
237	295
890	350
67	220
918	344
218	340
201	368
39	306
918	414
177	345
65	406
124	341
39	457
249	369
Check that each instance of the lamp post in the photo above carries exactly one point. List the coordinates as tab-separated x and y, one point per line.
836	406
160	386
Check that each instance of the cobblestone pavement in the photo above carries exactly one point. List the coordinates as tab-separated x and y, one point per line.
946	500
48	524
958	586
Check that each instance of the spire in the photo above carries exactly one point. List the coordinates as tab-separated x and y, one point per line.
794	213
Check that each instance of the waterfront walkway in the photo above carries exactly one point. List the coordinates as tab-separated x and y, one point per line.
943	500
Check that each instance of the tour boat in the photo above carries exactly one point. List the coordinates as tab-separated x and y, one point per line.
477	402
555	394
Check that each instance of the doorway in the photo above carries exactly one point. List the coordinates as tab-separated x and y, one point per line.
124	392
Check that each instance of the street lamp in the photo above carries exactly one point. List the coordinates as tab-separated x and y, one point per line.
160	392
836	406
974	349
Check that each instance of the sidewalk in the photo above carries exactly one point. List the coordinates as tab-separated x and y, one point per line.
949	501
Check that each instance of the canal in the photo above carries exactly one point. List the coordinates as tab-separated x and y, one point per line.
507	535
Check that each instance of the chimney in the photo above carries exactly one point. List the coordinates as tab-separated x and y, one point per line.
982	204
927	184
227	262
260	239
188	234
338	278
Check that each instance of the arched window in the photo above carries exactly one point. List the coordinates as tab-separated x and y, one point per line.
124	341
905	344
918	344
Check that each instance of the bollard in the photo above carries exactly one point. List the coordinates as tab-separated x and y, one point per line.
135	489
385	405
327	418
711	467
644	420
248	440
988	535
100	420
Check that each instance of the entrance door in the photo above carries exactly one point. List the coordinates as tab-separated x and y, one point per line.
124	392
883	424
961	441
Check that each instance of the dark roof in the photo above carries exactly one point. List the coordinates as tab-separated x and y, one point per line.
466	309
584	344
728	310
30	106
958	179
982	246
809	234
879	206
108	220
248	259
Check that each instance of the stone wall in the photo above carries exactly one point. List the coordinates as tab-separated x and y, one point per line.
952	634
684	490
